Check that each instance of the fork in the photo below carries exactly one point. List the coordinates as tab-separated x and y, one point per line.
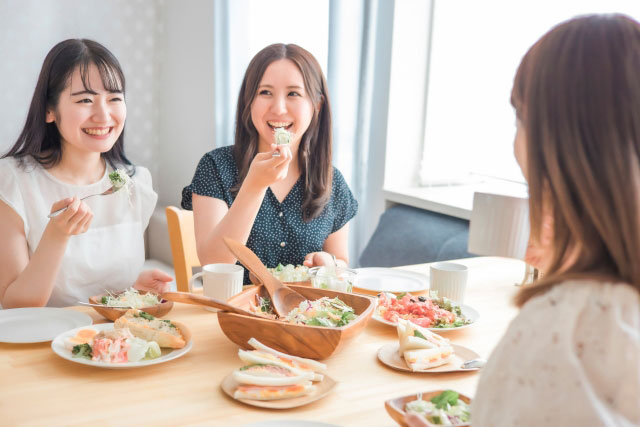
111	190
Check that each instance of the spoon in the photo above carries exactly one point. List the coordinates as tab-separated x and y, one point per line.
283	299
102	305
111	190
473	364
189	298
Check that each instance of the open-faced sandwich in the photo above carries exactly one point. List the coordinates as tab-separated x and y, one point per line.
271	375
143	325
421	348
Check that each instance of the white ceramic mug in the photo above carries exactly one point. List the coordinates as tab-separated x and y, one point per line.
221	281
450	280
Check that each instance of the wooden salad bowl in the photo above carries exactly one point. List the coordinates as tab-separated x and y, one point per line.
112	314
314	342
395	407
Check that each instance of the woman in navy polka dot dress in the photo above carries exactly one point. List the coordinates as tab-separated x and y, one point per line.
287	203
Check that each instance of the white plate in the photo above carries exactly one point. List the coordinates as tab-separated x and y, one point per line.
377	279
38	324
167	353
322	388
389	355
469	312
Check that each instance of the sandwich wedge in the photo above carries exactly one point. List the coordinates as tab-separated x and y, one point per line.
421	348
143	325
273	392
270	355
270	375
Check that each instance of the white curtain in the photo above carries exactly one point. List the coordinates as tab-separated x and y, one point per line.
360	38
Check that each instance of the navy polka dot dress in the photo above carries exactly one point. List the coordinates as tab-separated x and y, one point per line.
279	234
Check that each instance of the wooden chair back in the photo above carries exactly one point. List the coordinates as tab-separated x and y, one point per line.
183	245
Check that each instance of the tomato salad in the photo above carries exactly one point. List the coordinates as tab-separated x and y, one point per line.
427	312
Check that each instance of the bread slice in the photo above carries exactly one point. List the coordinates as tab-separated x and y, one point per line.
292	361
165	332
270	375
254	392
419	360
263	358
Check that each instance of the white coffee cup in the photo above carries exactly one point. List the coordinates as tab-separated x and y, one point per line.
221	281
450	280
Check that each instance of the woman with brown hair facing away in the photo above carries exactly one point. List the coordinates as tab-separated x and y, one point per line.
287	203
572	355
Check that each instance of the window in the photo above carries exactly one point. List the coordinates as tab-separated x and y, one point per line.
475	51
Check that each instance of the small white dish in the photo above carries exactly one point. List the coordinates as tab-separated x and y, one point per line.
38	324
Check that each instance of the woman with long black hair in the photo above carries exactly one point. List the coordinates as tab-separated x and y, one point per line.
72	139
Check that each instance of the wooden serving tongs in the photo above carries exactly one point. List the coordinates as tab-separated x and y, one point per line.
283	299
195	299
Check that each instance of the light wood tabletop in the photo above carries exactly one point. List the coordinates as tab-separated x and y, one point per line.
37	387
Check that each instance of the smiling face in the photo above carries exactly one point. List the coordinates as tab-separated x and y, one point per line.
90	119
281	101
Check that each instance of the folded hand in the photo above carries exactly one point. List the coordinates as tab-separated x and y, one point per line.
155	281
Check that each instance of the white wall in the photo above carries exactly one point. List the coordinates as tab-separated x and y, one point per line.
129	29
185	93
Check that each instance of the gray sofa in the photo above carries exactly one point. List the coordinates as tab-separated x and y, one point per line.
406	235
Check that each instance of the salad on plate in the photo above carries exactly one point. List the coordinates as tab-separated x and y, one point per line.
446	408
429	312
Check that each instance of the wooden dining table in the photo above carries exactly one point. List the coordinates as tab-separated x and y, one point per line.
37	387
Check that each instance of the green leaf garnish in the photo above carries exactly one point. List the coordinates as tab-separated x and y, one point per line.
418	334
449	397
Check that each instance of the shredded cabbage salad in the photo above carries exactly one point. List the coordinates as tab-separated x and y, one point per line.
328	312
290	273
335	278
444	409
130	298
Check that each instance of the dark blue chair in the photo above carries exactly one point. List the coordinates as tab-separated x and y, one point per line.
407	235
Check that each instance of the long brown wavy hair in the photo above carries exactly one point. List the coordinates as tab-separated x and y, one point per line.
577	94
314	152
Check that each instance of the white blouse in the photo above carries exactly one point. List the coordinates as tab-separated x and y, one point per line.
110	255
570	358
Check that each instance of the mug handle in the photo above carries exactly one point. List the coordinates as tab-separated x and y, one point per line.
194	277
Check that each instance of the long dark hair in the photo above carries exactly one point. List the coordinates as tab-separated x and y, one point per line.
41	140
314	153
577	94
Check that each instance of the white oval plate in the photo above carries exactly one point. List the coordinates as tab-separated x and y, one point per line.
377	279
469	312
38	324
167	353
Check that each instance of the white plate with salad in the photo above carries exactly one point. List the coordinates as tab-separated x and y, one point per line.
60	346
436	314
